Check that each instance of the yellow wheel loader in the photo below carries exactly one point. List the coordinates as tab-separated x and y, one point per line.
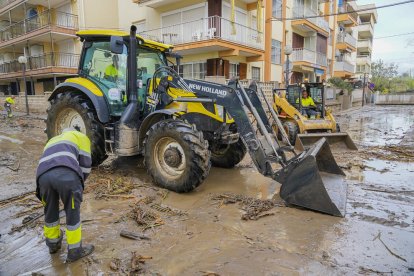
136	104
302	129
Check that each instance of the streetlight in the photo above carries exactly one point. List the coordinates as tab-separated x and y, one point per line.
23	60
288	52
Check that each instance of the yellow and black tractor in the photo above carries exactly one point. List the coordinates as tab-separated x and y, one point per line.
305	125
130	101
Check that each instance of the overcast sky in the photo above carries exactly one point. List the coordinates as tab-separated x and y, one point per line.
393	21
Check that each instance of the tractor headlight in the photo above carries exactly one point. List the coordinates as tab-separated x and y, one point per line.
220	111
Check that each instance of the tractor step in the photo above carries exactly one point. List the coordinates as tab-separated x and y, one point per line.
109	136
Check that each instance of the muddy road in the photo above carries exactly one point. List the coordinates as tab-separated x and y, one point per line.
233	224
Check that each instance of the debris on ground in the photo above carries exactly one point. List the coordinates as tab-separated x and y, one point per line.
105	186
133	235
254	208
115	264
386	247
137	261
145	217
390	153
165	209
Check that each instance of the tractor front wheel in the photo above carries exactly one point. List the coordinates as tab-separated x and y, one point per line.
176	155
72	109
291	129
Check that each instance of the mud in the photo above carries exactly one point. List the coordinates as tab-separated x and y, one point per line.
201	236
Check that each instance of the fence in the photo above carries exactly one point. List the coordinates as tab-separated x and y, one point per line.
56	59
213	27
303	54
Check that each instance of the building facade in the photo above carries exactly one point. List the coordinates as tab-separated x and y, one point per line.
218	39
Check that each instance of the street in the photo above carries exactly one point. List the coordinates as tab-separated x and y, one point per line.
207	232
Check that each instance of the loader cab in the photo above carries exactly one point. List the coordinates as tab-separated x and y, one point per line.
108	70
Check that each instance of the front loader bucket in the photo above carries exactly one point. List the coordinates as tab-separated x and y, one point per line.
336	140
313	180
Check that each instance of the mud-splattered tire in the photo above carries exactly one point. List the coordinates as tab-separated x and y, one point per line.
227	156
69	109
291	129
176	155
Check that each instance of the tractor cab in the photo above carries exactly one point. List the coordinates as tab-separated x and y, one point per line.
107	70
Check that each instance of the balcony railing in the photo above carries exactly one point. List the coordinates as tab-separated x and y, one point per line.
301	11
365	43
44	19
61	60
347	38
348	8
344	66
214	27
302	54
363	59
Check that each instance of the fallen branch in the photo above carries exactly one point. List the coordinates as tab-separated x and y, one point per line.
122	196
385	191
389	250
14	198
133	236
17	167
370	270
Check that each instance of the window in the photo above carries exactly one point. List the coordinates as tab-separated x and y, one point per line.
256	73
194	70
276	51
234	70
277	8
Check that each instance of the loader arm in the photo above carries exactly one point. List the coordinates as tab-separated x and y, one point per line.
311	179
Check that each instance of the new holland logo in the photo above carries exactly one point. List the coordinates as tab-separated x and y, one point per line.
208	89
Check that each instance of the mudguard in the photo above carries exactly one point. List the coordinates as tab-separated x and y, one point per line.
155	117
99	102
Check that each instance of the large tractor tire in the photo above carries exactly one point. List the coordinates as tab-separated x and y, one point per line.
227	156
291	129
176	155
72	109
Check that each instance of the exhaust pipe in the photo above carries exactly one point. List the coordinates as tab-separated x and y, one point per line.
126	136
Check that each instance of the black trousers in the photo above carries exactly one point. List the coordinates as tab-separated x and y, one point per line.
65	184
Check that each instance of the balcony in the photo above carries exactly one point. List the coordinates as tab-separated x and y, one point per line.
364	45
348	19
6	5
48	63
363	59
343	69
302	56
346	42
365	31
318	24
215	33
48	21
162	3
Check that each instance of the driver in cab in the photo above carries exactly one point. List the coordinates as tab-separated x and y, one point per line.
308	104
112	70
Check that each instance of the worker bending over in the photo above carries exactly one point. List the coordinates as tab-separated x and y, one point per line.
63	168
308	104
8	105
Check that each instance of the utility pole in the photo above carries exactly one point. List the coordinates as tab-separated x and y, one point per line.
363	89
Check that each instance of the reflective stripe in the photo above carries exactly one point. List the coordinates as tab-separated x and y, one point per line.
76	245
86	170
73	227
73	202
84	153
62	153
61	142
51	232
73	236
52	224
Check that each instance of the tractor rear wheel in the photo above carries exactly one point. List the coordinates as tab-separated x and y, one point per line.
176	155
227	156
291	129
72	109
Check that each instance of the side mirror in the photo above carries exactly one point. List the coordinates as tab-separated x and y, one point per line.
117	45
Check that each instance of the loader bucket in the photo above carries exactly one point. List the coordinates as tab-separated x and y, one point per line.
313	180
336	141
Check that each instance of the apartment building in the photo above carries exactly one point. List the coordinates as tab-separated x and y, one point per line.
219	39
44	31
365	31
